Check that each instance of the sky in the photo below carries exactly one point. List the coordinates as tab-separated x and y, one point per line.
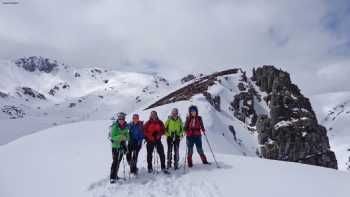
309	38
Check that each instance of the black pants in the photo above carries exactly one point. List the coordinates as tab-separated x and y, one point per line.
160	149
173	144
132	155
117	158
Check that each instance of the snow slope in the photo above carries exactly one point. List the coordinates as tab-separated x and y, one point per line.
74	160
333	111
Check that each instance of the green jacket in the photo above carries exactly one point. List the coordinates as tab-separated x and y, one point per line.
119	135
174	126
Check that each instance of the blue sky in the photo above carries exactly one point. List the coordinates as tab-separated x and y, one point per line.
174	38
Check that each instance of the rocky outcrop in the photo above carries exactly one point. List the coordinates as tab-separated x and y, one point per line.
243	103
30	92
13	111
34	63
291	131
213	100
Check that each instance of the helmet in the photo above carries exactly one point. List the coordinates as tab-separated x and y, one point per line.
121	115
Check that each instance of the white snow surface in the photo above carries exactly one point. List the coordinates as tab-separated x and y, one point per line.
74	160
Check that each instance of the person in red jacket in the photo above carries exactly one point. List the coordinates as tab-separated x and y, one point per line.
154	130
194	128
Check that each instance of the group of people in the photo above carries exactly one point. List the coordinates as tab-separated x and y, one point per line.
127	138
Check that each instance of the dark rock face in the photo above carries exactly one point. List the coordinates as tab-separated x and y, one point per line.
34	63
187	78
243	102
233	131
292	132
214	101
30	92
71	105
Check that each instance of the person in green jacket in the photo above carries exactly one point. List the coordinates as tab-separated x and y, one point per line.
174	132
119	136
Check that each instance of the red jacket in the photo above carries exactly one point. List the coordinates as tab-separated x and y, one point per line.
194	126
154	129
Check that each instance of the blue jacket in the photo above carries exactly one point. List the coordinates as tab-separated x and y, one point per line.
136	132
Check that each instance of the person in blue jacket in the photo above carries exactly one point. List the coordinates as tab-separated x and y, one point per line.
135	142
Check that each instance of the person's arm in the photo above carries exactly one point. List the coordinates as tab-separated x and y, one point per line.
167	127
145	131
162	128
181	128
142	130
127	134
186	127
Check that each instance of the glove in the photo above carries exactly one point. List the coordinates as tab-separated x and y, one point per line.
156	134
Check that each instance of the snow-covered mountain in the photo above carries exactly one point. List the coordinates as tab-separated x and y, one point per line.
37	93
262	115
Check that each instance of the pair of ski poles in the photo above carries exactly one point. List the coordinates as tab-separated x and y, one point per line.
155	161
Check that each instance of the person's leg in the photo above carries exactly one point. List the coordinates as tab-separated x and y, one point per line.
199	147
170	150
150	147
113	174
132	150
117	157
176	152
189	142
120	158
160	150
129	153
136	155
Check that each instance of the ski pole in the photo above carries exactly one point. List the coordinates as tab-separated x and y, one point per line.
185	160
211	150
124	171
154	161
157	160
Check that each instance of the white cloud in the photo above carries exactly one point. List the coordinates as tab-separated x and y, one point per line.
180	36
